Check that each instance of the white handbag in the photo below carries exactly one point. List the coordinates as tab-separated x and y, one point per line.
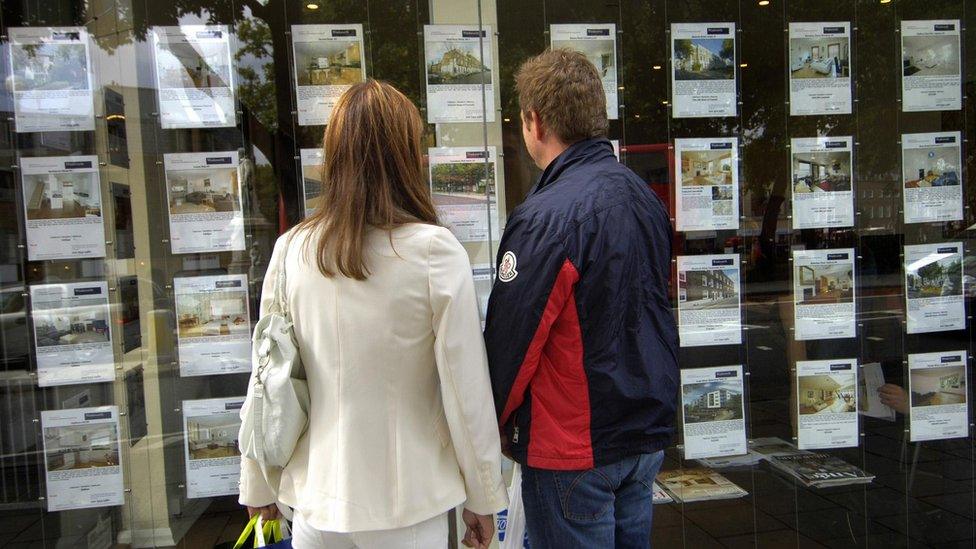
275	412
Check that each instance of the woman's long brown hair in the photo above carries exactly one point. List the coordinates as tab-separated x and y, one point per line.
373	176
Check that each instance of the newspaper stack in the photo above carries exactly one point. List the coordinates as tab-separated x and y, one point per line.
698	484
819	470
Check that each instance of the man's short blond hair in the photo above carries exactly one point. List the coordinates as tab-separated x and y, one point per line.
566	91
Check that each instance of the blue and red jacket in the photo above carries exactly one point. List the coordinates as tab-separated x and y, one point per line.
582	345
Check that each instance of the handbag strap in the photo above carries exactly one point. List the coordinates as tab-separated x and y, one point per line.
280	300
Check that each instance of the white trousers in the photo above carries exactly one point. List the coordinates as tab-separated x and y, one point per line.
430	534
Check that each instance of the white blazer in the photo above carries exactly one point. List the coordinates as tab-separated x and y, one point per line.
402	423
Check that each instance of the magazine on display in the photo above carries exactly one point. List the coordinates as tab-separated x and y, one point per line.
820	68
760	450
598	42
698	484
51	79
939	398
213	459
869	404
708	194
826	403
660	495
823	293
194	76
932	176
729	462
460	79
931	66
712	412
934	288
708	300
765	448
72	333
462	182
823	194
204	191
312	165
81	458
213	324
328	61
703	70
63	207
819	470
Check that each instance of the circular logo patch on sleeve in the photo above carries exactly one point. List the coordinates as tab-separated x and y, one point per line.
507	271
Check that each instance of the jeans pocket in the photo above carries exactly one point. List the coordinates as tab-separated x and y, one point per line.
584	496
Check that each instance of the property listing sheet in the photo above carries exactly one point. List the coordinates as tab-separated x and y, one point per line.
214	324
212	457
822	188
194	76
708	189
204	196
823	293
81	458
51	79
712	412
939	396
72	333
708	300
932	176
598	42
934	287
484	278
820	68
931	65
328	61
460	79
63	207
462	181
826	403
703	76
312	165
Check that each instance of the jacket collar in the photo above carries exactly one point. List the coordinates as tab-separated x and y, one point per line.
588	150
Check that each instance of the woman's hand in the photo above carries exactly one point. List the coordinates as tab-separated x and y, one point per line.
268	512
481	529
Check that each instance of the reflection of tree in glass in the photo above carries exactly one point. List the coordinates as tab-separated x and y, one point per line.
257	87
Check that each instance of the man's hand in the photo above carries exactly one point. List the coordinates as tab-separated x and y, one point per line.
481	529
506	446
894	396
268	512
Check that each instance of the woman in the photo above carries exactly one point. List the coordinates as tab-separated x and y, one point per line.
402	425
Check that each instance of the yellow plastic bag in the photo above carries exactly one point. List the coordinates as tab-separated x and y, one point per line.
263	533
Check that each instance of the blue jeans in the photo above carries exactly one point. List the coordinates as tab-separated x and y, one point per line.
608	506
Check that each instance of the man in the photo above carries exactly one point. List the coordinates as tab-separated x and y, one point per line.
581	339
